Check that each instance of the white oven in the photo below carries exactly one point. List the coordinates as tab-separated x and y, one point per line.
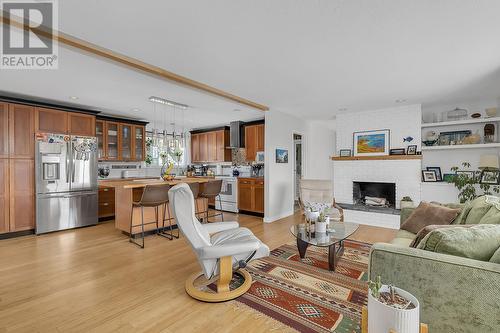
228	194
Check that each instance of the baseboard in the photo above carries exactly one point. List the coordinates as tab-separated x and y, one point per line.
278	217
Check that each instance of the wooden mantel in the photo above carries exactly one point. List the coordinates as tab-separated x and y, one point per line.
376	158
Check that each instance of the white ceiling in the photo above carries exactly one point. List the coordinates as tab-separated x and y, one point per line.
305	57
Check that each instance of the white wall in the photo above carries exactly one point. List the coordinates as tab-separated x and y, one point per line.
320	146
403	121
279	177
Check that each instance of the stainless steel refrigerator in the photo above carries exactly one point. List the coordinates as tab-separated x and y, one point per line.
66	182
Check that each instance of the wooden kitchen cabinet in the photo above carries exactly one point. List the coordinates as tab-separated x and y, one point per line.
139	144
51	121
210	146
125	142
254	140
251	194
112	140
99	133
22	195
4	196
81	124
106	202
4	128
21	131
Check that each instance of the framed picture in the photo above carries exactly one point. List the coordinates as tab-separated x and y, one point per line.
398	151
491	177
345	152
429	176
281	155
412	150
371	143
448	177
438	172
468	174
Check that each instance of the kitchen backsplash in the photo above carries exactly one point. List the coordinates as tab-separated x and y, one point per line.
239	156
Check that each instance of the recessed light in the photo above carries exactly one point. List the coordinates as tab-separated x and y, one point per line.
342	109
400	100
236	110
73	98
136	109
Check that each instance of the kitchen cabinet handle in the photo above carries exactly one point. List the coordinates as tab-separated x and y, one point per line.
105	204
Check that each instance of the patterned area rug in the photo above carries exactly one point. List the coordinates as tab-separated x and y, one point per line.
304	295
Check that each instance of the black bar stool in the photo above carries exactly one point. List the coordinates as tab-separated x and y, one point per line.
153	196
211	190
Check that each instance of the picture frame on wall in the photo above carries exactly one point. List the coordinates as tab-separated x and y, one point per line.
490	177
412	150
439	176
345	153
281	155
372	143
429	176
469	174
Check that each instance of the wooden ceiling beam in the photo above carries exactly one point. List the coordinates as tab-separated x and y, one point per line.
83	45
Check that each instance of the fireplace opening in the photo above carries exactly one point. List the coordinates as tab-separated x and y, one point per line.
370	194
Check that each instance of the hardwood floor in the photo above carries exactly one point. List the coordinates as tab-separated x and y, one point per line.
94	280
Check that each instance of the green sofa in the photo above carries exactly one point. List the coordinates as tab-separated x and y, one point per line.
456	294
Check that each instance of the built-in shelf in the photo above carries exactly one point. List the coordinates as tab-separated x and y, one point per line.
473	146
374	158
462	122
437	183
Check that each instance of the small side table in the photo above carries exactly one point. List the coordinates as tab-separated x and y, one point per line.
364	323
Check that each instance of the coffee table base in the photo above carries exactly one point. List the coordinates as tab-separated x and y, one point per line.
335	251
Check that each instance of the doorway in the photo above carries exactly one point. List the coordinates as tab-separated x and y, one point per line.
297	167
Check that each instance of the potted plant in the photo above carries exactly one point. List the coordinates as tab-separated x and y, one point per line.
392	308
406	202
323	221
468	182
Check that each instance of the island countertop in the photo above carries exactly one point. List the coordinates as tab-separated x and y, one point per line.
124	195
138	183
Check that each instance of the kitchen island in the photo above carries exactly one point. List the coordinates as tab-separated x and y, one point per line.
127	191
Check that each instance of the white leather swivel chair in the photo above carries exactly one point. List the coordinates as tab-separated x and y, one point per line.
219	246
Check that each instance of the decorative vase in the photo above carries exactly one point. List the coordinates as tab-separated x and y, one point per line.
321	226
406	204
384	318
312	216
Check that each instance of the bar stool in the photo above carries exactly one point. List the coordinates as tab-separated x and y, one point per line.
211	190
170	233
195	188
153	196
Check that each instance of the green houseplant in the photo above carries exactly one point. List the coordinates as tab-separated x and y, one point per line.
468	183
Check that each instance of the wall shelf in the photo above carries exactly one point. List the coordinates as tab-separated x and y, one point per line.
377	158
472	146
462	122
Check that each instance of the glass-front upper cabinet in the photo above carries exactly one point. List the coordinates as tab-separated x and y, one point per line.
139	143
99	133
126	141
112	140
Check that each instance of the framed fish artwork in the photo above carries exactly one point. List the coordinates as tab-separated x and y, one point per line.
371	143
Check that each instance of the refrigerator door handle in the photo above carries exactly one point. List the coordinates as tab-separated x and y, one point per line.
67	163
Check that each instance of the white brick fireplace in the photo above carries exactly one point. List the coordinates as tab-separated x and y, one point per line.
404	173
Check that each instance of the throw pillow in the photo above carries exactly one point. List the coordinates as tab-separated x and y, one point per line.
476	242
428	229
428	214
496	257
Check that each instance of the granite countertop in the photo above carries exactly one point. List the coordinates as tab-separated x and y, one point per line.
142	182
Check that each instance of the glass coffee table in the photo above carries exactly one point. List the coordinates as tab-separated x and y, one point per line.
333	239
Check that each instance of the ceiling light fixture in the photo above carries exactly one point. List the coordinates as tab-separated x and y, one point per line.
136	109
236	110
164	101
400	100
342	109
73	98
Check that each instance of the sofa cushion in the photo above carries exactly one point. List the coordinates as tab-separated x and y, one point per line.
427	214
482	210
401	241
496	257
477	242
430	228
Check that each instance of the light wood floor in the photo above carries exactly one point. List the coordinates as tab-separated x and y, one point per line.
94	280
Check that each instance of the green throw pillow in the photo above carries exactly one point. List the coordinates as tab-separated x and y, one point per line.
496	257
477	242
